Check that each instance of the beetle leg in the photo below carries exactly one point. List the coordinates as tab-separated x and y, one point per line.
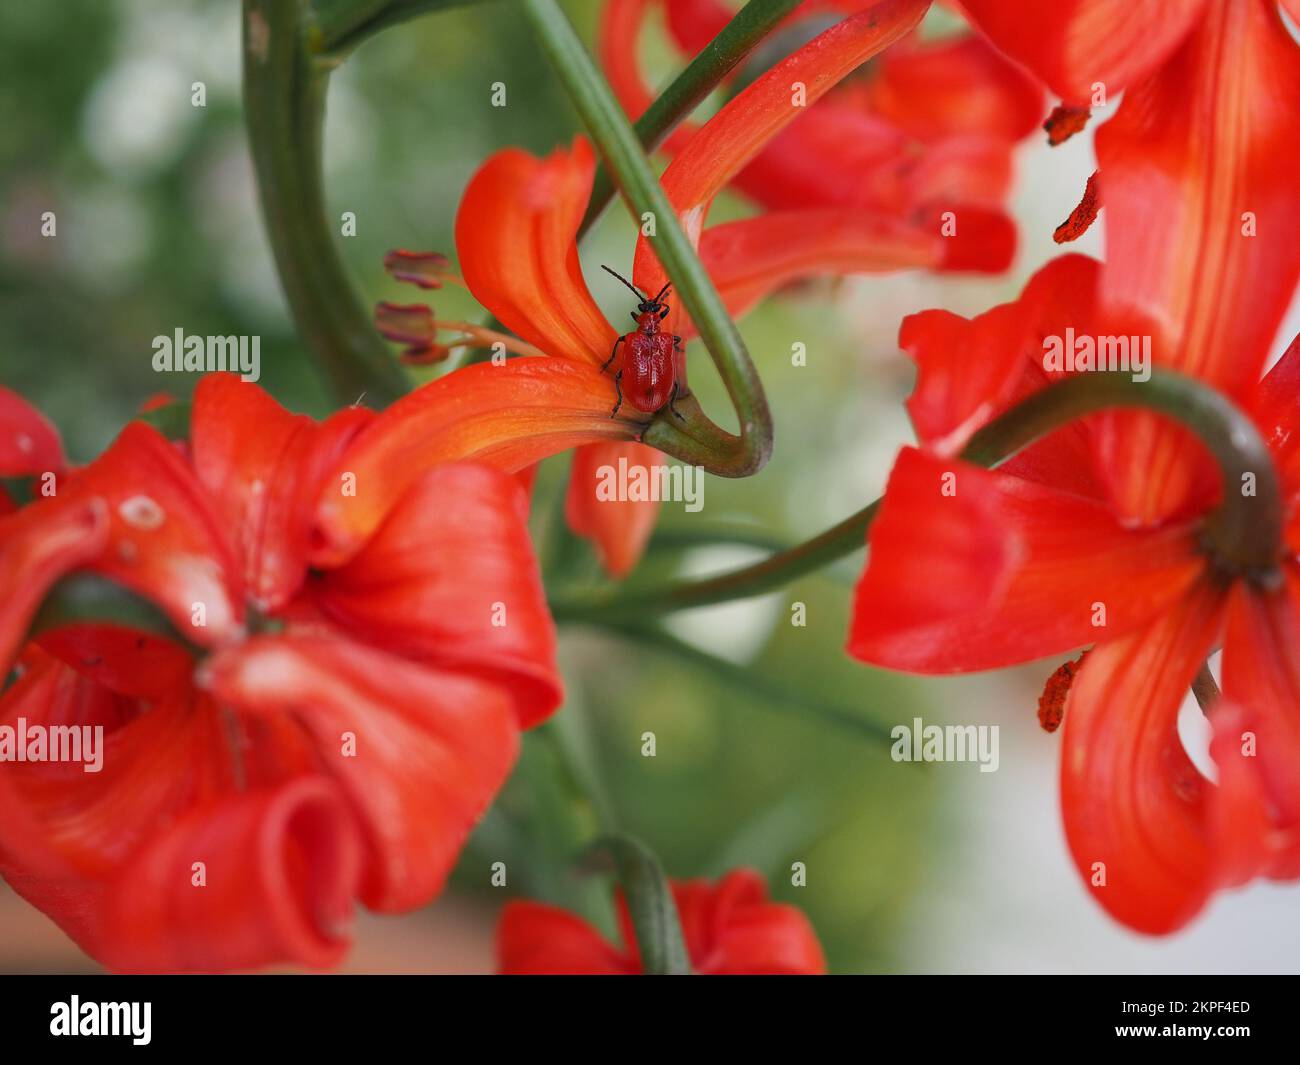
672	397
677	343
611	355
663	314
617	388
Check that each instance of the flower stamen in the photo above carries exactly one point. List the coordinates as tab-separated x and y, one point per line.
1064	122
1051	704
427	269
1082	217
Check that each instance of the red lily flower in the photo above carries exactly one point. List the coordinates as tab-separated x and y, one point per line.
348	723
860	182
516	239
730	930
1107	513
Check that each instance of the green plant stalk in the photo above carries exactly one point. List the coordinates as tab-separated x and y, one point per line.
341	25
734	679
1244	533
566	820
650	905
284	104
701	76
699	441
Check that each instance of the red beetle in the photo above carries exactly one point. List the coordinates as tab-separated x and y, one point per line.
648	359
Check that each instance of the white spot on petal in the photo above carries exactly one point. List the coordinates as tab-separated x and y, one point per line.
142	513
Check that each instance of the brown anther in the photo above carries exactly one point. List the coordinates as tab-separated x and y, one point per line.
428	269
1082	216
1051	704
1064	122
406	323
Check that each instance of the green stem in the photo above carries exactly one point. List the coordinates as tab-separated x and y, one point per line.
734	678
702	75
698	441
343	24
284	98
1243	535
565	819
650	905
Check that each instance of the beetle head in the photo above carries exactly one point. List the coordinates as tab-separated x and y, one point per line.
658	305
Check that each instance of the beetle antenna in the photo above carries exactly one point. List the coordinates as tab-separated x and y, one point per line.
639	294
663	292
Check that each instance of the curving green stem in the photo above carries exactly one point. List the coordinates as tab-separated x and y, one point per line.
698	441
285	78
1243	534
650	905
340	25
701	76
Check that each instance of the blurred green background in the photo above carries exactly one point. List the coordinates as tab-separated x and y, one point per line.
759	760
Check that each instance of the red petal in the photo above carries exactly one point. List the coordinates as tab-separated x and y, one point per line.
1073	44
1276	411
967	370
164	540
515	234
158	758
1261	656
694	23
280	866
620	528
534	939
733	136
958	86
155	762
1240	823
1130	797
262	466
733	930
112	863
431	748
618	43
1191	150
752	257
125	661
1003	571
507	416
29	443
834	154
450	578
972	370
38	545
